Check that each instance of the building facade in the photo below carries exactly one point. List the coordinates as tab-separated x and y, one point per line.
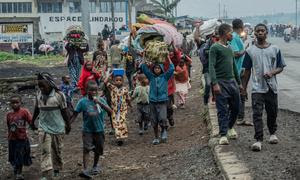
51	18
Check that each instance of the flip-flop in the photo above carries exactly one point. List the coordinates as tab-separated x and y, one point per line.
244	123
85	175
248	123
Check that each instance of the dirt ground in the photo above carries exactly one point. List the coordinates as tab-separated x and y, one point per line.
185	156
274	162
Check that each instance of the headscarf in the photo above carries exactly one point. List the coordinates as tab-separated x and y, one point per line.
49	78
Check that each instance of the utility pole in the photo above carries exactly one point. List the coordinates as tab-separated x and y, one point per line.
130	4
296	13
112	3
224	12
219	9
85	19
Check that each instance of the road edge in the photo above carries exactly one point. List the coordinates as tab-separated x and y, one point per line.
231	167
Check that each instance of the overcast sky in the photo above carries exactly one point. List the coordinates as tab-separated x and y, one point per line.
235	8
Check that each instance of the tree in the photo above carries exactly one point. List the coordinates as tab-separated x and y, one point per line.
166	6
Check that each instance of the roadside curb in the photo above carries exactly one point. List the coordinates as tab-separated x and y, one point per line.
230	166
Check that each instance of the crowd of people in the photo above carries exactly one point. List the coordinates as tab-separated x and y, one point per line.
157	89
279	30
227	67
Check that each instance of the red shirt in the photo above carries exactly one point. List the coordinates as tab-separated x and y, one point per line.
175	59
16	123
86	76
182	75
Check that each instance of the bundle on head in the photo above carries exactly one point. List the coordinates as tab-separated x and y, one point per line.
156	52
76	36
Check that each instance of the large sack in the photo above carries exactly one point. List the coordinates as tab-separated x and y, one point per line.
144	19
170	33
156	52
207	28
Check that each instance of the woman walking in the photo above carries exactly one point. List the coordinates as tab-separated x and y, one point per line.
75	60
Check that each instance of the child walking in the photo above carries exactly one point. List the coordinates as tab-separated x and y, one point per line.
51	110
182	81
18	143
141	93
93	109
158	97
120	100
68	90
225	80
88	73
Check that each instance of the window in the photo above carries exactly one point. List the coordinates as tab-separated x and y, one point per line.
74	7
57	7
16	7
92	7
105	7
4	7
123	6
119	6
20	7
9	8
50	7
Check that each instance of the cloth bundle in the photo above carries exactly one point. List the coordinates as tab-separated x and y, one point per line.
45	48
155	30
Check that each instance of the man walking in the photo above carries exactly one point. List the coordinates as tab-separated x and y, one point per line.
264	61
238	48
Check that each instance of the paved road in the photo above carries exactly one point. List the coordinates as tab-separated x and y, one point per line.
289	79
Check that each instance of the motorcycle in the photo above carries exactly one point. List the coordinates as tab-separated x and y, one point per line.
287	38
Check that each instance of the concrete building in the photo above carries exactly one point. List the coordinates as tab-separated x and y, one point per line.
51	18
184	23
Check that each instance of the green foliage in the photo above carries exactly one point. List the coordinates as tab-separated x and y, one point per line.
166	6
38	59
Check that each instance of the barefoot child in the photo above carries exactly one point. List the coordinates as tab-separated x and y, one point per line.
18	144
93	109
182	81
158	97
120	100
88	73
141	93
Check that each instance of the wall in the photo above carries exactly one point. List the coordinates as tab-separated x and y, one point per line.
52	26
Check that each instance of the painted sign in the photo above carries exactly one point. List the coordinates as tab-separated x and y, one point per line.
51	23
20	33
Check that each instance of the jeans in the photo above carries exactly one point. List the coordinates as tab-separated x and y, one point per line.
206	88
241	114
270	101
228	103
170	110
129	78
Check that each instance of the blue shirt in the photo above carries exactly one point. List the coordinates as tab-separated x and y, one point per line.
237	45
93	115
68	90
158	84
